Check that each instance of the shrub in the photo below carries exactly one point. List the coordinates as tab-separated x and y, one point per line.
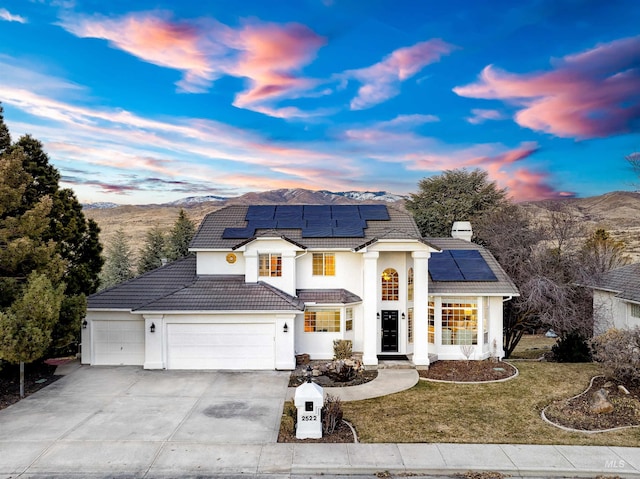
619	352
572	348
331	414
342	349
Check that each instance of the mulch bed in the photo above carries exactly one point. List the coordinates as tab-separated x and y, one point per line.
342	434
468	371
36	376
576	413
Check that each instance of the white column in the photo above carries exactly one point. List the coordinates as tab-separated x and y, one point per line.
420	308
370	309
153	341
284	339
251	266
289	272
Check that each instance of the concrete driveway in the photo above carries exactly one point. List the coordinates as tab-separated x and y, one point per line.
109	419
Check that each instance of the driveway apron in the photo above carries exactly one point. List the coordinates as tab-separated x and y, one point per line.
105	419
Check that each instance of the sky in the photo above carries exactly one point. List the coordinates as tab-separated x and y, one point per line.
151	101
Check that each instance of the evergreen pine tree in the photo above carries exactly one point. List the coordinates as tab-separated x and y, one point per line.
5	137
118	266
153	253
180	237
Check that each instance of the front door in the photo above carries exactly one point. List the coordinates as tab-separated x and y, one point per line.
389	331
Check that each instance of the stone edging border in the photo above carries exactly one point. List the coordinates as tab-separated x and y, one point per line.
570	429
444	381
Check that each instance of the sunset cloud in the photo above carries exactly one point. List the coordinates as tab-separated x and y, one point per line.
382	80
479	116
593	94
7	16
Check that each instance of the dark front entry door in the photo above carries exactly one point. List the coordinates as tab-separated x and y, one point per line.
389	331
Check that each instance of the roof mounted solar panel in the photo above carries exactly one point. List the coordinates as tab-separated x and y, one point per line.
326	222
288	212
374	212
260	212
442	267
263	224
316	211
291	223
348	232
317	232
345	211
238	233
350	223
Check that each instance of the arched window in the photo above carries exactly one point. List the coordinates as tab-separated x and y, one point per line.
410	284
390	285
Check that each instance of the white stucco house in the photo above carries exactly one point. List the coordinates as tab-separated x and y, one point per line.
267	282
616	299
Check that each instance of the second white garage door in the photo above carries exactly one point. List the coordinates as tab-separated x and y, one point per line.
221	346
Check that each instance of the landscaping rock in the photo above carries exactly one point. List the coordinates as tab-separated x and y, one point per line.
622	389
600	402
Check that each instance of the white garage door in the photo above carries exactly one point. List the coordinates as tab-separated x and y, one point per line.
118	342
221	346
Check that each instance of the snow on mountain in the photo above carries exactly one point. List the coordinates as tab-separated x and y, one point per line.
193	200
99	206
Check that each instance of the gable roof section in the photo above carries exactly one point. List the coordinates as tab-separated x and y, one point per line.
624	281
210	235
502	287
150	286
225	293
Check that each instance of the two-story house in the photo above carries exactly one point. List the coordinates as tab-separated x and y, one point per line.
267	282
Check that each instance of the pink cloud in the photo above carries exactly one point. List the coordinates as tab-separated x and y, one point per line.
480	116
382	80
592	94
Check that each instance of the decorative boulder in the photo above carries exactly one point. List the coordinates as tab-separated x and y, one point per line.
600	402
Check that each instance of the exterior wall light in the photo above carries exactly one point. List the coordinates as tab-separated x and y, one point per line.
403	316
378	315
152	328
285	328
84	324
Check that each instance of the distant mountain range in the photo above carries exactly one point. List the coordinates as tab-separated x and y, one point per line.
298	195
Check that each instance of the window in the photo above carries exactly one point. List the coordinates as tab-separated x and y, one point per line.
348	319
410	325
270	265
459	321
635	310
432	320
410	284
324	264
390	285
322	320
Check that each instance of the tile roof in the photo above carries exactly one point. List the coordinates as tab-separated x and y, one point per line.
624	281
504	286
150	286
225	293
209	236
328	296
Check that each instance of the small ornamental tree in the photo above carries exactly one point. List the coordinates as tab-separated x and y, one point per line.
26	328
619	352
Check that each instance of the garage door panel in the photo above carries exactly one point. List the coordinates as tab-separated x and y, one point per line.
118	342
221	346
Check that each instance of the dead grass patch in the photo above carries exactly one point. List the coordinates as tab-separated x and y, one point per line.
507	412
533	346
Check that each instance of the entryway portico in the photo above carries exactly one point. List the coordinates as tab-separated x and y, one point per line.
395	298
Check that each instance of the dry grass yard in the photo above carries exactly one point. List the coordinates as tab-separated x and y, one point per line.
533	346
507	412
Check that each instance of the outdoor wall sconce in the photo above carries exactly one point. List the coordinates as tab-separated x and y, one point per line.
403	316
285	328
84	324
152	328
378	315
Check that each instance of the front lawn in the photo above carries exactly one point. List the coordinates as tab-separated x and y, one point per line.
507	412
533	346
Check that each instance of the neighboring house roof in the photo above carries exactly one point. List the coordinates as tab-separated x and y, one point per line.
328	296
503	286
176	287
624	281
400	225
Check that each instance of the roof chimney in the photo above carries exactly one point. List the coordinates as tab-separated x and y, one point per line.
462	230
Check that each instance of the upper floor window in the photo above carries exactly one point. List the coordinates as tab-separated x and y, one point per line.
635	310
270	265
390	285
410	284
324	264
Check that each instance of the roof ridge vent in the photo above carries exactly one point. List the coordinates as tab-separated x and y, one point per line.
462	230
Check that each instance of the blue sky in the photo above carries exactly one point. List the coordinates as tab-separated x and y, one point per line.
146	102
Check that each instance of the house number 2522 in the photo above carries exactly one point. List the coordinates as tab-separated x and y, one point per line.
309	418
